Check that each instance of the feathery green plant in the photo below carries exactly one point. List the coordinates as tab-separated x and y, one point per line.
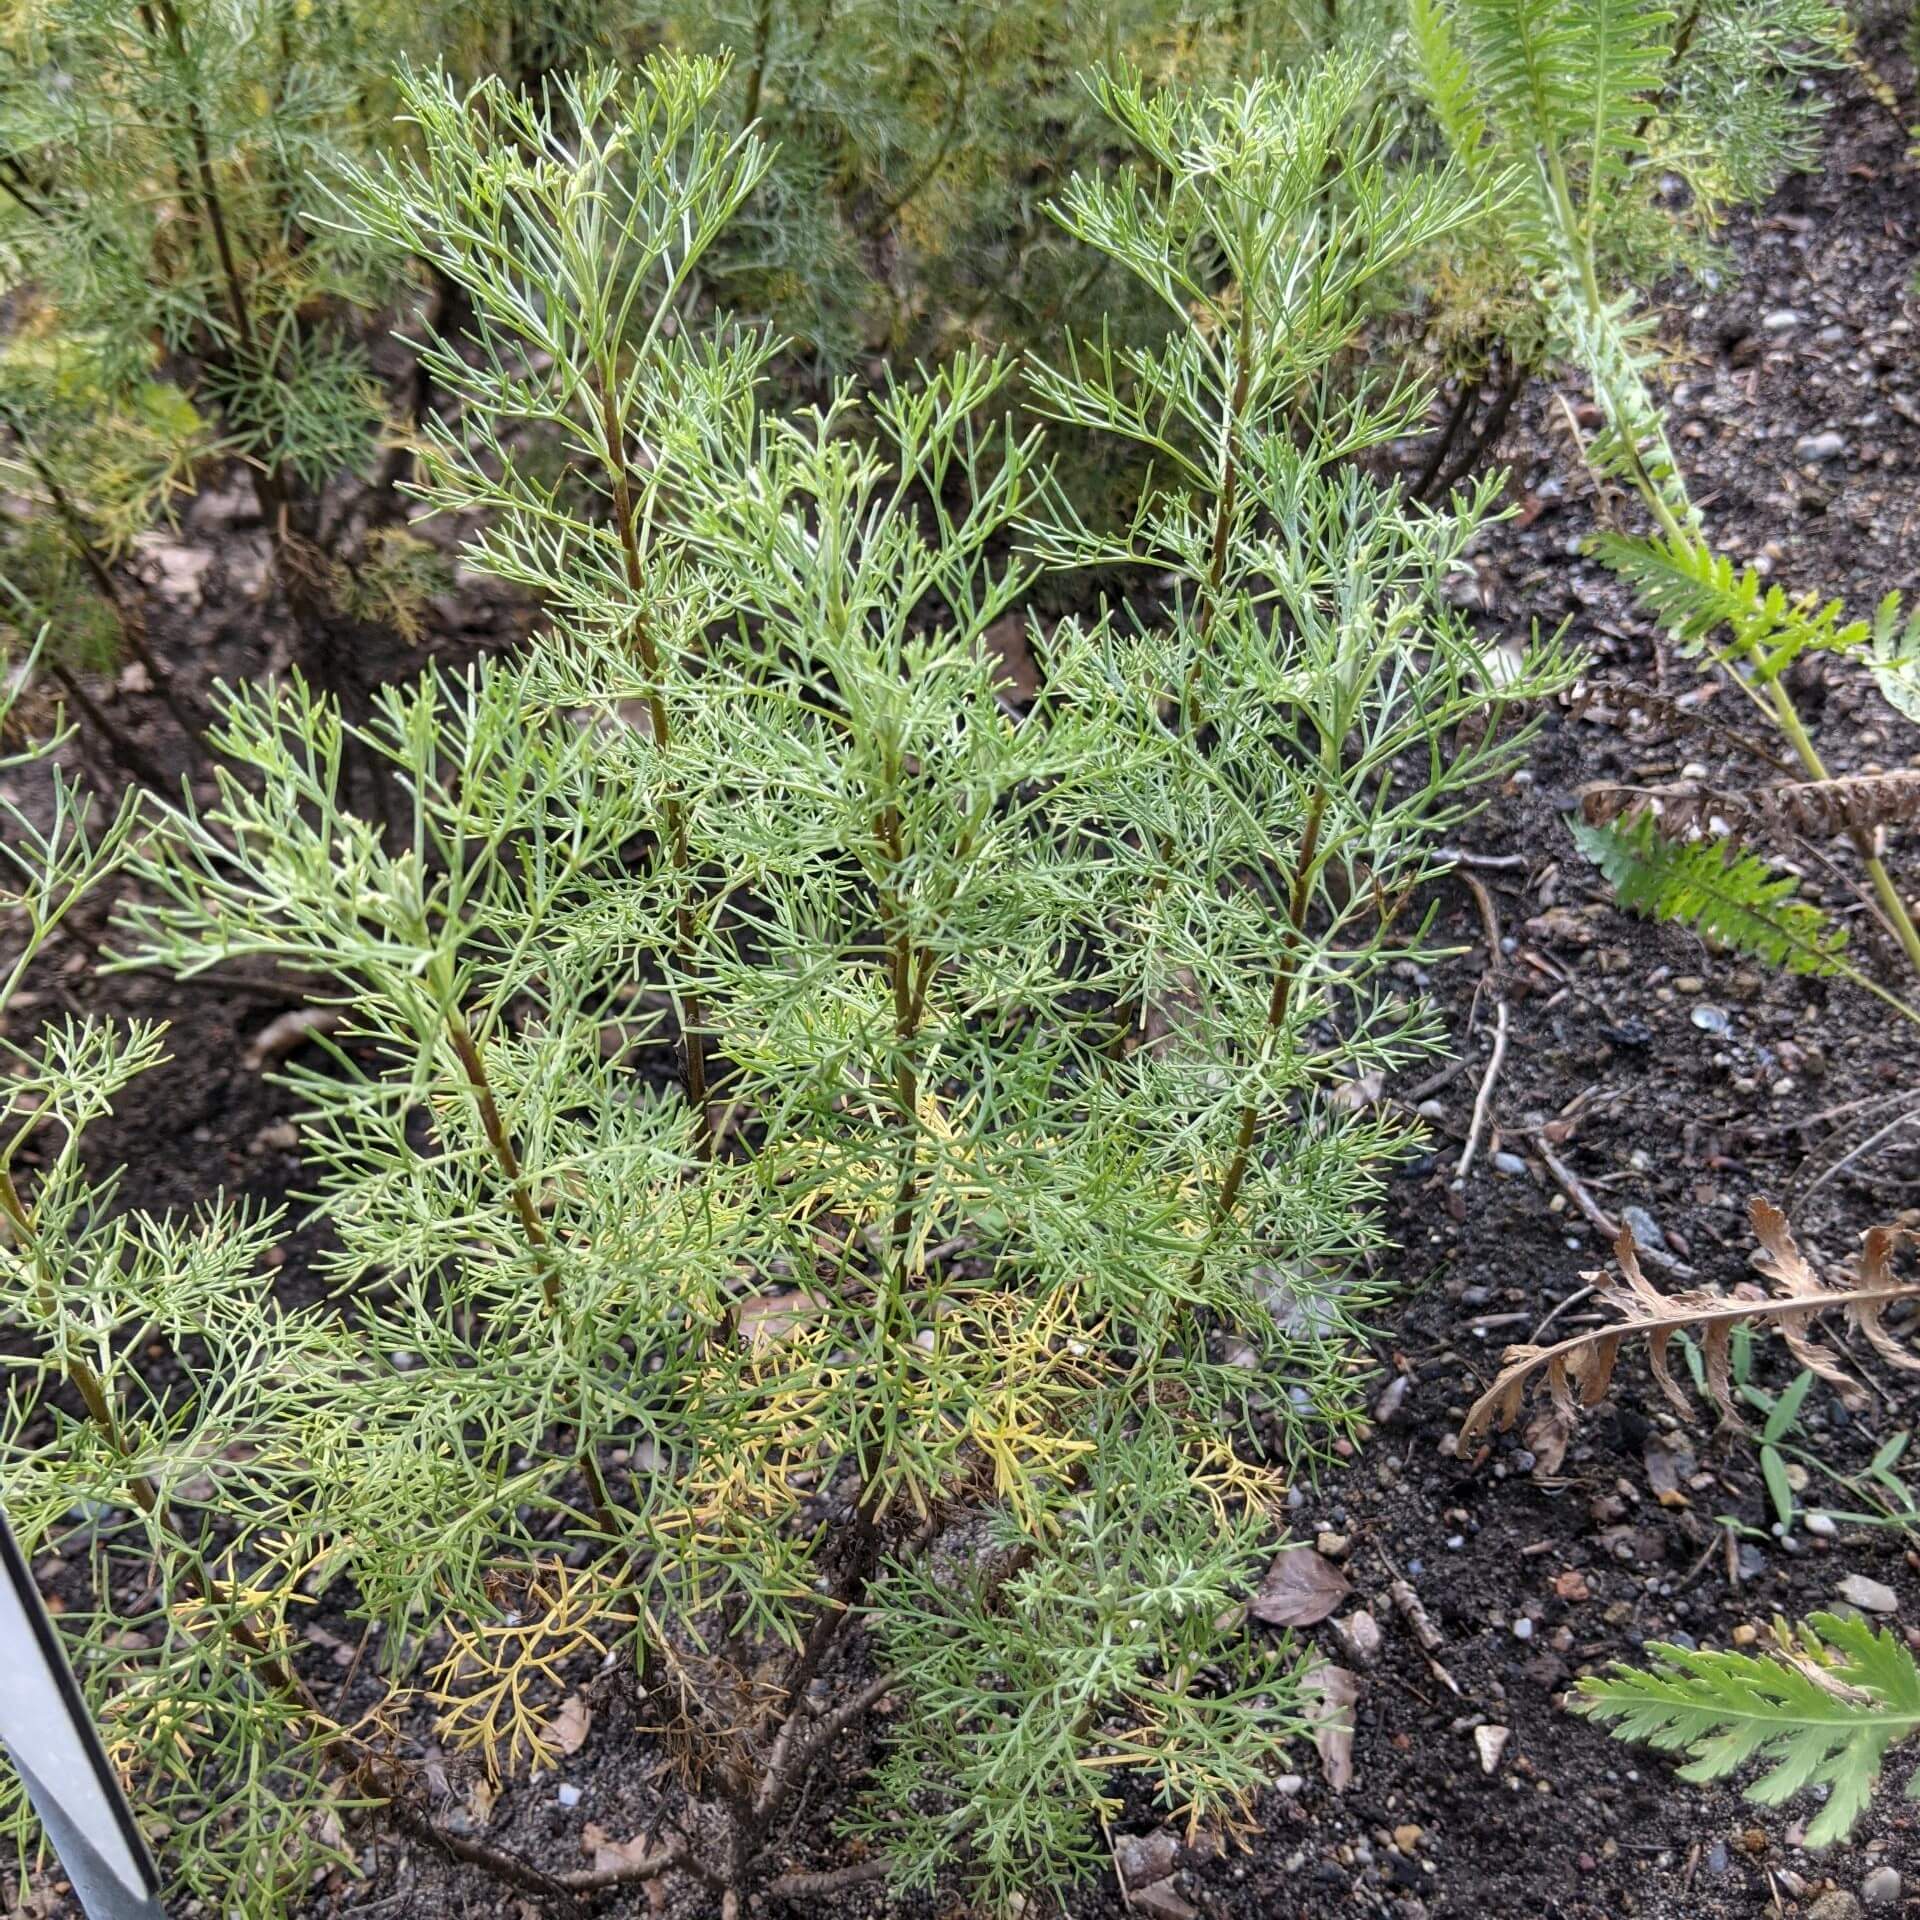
157	161
1585	109
1729	896
1103	1626
1321	690
918	144
1610	140
1821	1712
737	1375
110	1473
575	264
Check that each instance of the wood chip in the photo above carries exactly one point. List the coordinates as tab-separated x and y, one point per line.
1416	1616
609	1855
286	1031
567	1731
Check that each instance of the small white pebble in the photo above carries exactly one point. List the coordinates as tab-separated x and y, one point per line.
568	1794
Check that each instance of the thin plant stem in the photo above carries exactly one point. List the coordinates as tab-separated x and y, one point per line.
692	1038
1778	704
472	1064
1443	441
1888	894
80	538
757	71
1279	1001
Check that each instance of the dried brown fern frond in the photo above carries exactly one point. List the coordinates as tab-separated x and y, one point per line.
1577	1370
1816	809
1615	699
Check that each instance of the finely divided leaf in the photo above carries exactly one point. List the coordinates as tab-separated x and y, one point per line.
1732	897
1822	1712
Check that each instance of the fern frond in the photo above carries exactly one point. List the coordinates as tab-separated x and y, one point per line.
1559	88
1893	653
1583	1365
1683	810
1447	78
1631	45
1696	592
1824	1711
1603	337
1728	896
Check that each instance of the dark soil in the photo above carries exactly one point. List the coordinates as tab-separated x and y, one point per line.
1657	1074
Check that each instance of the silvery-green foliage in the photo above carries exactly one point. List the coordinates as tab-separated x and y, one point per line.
576	225
161	157
109	1466
918	144
1085	1652
1328	700
1023	1045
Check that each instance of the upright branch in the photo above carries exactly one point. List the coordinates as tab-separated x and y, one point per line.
1286	972
474	1067
163	21
693	1041
581	262
1265	223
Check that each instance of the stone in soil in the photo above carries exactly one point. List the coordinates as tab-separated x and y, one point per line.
1145	1857
1869	1595
1881	1888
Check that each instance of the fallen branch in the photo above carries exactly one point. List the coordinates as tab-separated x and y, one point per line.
508	1868
1483	1100
1487	862
595	1879
810	1886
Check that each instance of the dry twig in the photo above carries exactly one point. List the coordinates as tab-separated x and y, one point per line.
1483	1100
1597	1216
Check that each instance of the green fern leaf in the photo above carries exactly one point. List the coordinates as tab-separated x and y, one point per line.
1447	75
1697	593
1823	1712
1732	897
1894	656
1631	46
